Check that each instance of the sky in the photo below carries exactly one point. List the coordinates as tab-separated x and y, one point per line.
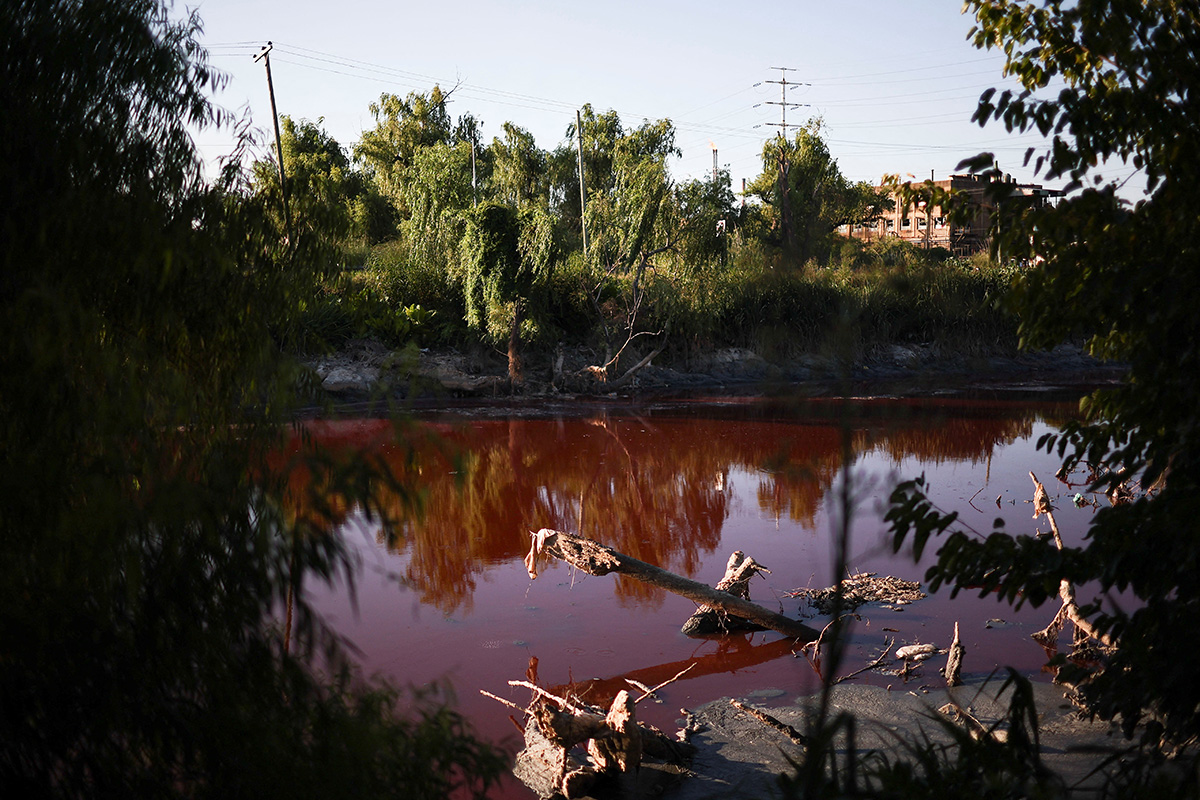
894	83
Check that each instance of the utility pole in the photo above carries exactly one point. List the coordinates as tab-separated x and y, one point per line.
929	212
582	187
265	55
474	183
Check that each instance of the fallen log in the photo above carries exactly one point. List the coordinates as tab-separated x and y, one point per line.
615	743
596	559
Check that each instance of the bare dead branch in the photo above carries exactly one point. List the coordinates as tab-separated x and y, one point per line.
651	691
787	730
877	662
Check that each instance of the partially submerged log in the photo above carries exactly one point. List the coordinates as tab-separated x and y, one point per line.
596	559
709	620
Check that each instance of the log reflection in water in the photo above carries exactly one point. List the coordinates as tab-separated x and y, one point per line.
734	653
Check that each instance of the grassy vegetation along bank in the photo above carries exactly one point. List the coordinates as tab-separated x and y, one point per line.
858	304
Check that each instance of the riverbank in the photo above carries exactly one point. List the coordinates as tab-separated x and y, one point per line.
738	755
365	374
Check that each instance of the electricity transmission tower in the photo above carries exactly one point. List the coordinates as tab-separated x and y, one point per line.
785	205
782	102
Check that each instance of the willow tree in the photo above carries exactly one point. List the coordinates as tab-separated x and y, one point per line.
519	170
147	546
328	192
508	257
422	161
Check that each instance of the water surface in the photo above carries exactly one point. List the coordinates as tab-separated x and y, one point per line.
680	485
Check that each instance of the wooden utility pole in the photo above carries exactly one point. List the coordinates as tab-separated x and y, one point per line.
265	55
582	186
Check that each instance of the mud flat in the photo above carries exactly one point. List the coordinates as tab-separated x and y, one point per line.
738	755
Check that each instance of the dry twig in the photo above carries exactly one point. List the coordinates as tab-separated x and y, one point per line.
868	667
787	730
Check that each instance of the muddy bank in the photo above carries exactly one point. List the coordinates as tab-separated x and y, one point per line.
737	755
364	373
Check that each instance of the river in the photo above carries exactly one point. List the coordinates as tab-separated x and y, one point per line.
445	597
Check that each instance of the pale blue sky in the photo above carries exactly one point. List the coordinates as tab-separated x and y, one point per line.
896	82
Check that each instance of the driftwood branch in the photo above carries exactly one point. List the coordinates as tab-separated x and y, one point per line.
1066	589
707	620
499	699
615	742
877	662
954	660
650	692
596	559
787	730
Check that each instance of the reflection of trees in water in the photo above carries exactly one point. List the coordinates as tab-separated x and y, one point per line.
655	488
799	471
653	496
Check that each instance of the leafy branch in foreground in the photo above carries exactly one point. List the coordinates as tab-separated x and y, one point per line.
1123	276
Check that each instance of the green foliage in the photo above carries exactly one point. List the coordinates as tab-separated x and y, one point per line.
492	261
805	196
402	129
702	217
625	203
397	278
325	192
148	546
787	312
1125	277
507	257
519	175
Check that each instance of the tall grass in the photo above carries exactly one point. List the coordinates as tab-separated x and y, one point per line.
865	297
911	300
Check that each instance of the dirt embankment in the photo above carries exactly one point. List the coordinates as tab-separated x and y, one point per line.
365	372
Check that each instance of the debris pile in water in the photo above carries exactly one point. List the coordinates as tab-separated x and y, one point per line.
860	589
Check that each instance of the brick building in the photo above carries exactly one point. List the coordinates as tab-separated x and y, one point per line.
931	227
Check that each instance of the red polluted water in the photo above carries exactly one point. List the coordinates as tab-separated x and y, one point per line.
446	599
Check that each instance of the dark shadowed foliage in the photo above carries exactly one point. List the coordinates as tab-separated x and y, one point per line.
148	559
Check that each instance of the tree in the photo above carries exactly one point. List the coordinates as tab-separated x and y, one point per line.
624	208
422	162
508	256
1123	277
402	128
518	169
147	546
323	185
805	196
704	214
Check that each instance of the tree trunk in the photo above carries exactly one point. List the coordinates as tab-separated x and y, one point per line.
514	345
